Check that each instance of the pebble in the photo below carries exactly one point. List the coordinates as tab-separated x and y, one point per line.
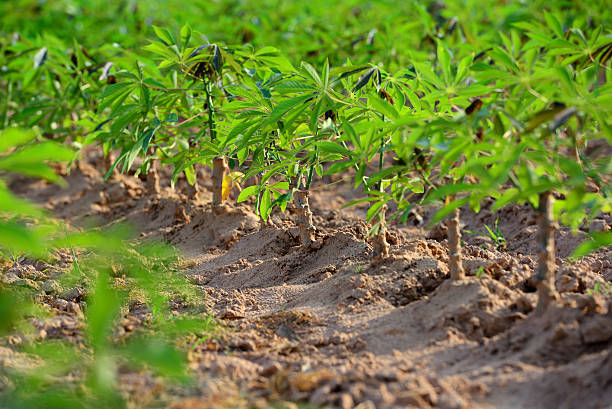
51	287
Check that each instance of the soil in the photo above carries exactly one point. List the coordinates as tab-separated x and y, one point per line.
325	325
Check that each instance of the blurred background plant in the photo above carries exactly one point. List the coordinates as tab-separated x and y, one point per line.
112	274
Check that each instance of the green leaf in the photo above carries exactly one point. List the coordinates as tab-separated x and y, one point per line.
332	147
267	51
338	167
596	241
265	205
14	137
312	73
449	190
190	175
158	355
114	89
285	106
30	160
363	200
104	304
374	210
164	35
17	238
248	192
444	59
293	86
185	35
448	209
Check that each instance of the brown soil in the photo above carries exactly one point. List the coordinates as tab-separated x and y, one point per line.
326	326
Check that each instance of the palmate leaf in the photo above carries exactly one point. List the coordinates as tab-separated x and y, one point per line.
332	147
383	107
185	35
444	60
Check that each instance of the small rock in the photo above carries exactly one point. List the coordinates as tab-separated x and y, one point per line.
243	344
284	331
51	287
597	330
338	338
368	404
524	304
28	271
26	282
10	278
386	376
73	294
598	225
270	369
438	233
567	284
230	314
181	216
320	396
345	401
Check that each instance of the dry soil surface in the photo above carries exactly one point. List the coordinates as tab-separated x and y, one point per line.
326	326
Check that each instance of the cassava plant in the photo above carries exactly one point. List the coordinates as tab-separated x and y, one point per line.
533	135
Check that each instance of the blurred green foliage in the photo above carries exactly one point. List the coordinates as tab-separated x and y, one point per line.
112	269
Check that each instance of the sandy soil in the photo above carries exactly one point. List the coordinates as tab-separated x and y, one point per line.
328	327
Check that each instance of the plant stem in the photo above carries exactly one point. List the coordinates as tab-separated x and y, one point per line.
304	217
211	113
219	165
153	178
545	276
379	242
454	245
380	163
5	116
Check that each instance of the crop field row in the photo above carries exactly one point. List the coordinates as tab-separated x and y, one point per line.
260	118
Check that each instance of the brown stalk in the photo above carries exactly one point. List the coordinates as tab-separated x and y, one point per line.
153	178
304	217
545	275
379	241
219	165
454	245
